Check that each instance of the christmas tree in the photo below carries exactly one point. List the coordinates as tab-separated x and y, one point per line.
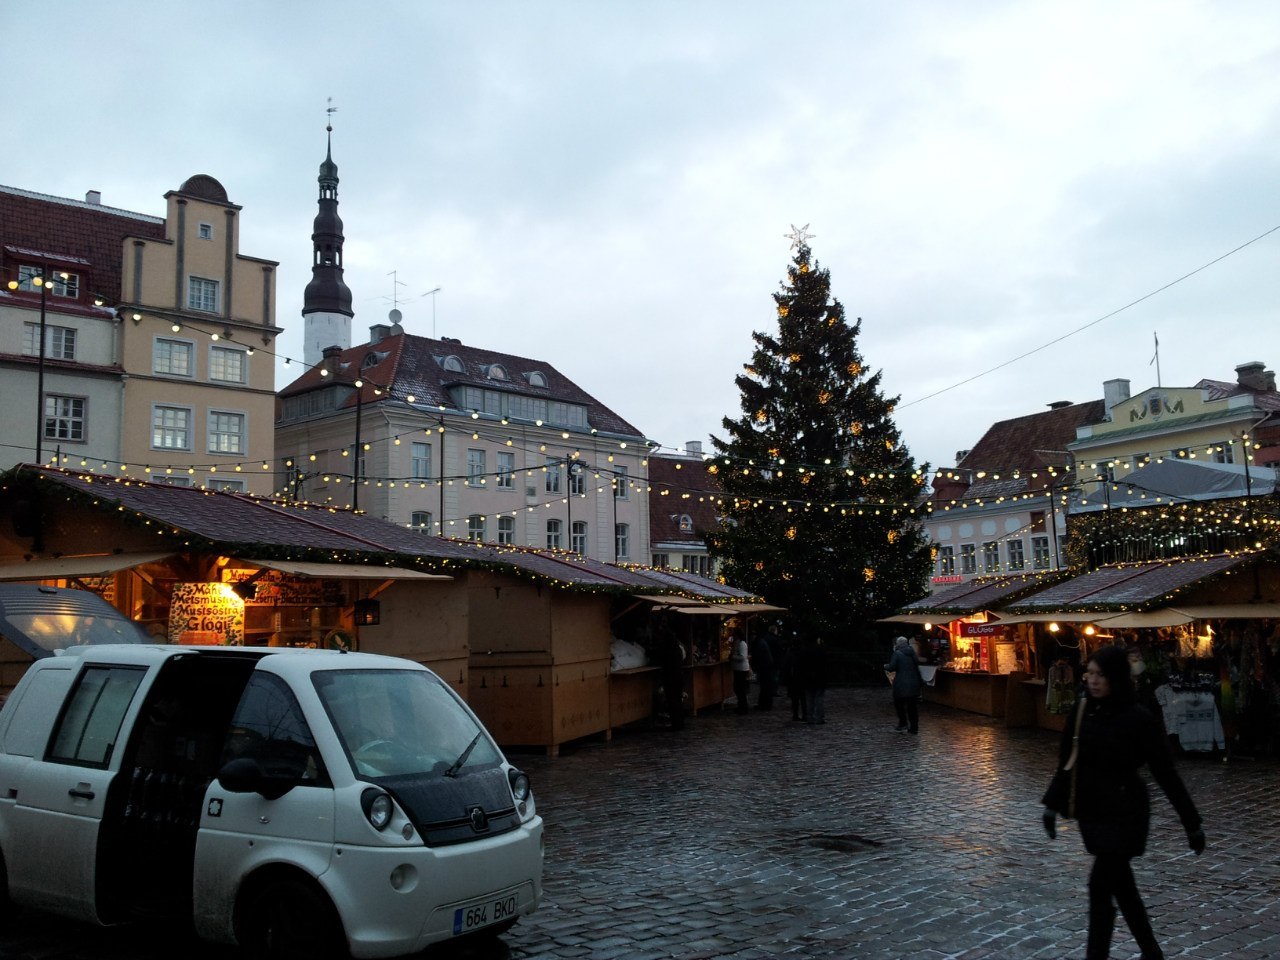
819	490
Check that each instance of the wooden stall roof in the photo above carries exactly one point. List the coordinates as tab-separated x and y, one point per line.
1127	587
980	593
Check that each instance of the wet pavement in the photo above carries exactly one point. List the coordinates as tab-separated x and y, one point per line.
750	837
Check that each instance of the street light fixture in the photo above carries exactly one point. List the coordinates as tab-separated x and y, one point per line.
43	282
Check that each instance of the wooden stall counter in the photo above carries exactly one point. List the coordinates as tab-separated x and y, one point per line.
973	691
527	700
710	685
631	693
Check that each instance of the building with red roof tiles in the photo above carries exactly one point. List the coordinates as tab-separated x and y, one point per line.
1000	509
683	505
150	326
450	438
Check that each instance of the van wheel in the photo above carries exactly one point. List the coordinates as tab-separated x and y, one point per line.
291	920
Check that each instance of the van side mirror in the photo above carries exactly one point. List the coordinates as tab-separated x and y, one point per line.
247	775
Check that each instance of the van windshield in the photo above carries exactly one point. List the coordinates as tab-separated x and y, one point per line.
399	722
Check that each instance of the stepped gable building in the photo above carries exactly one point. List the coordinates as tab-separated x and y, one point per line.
998	510
454	439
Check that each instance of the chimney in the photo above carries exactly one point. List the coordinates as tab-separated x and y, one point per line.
1255	376
329	359
379	332
1114	392
1059	404
94	197
693	448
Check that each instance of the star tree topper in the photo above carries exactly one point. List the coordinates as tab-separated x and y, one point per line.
799	236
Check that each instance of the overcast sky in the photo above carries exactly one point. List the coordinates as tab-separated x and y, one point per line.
606	185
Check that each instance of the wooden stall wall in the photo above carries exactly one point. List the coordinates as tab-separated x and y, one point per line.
426	622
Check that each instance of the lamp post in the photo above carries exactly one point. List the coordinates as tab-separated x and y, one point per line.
355	465
42	281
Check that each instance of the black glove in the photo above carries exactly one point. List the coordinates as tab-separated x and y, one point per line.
1195	840
1051	825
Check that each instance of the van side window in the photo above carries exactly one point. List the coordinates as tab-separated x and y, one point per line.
90	724
269	727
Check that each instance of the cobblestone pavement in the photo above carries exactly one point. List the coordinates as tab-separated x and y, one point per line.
749	837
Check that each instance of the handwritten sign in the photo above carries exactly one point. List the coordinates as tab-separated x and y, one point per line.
281	589
205	613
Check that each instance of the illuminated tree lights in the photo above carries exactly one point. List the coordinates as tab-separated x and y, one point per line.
821	501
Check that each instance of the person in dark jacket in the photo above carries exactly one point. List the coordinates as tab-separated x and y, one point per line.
764	664
1106	740
907	684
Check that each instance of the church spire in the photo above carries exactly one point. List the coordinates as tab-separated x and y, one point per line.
326	304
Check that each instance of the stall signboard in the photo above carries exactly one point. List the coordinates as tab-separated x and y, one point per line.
282	589
975	631
206	613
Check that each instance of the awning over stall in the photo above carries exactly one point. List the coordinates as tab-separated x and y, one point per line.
343	571
69	568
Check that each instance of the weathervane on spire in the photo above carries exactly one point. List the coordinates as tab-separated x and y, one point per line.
799	236
329	111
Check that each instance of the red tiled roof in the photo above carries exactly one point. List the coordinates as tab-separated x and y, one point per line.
72	229
681	486
1128	587
411	365
1031	442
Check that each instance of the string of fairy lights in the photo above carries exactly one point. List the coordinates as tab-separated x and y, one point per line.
1061	481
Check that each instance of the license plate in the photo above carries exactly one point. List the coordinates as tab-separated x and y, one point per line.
477	915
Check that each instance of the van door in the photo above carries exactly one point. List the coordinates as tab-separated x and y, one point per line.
57	812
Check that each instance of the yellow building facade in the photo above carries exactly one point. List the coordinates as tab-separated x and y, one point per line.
197	324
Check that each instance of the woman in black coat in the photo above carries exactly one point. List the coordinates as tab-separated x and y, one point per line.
1107	739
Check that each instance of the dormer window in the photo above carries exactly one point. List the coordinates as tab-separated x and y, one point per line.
452	364
686	523
371	359
498	372
537	378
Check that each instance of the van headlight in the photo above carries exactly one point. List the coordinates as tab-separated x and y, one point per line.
519	784
377	808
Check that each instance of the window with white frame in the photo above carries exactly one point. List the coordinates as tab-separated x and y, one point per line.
507	530
60	282
620	481
991	556
170	428
64	418
1224	453
202	294
1013	551
578	537
172	479
59	342
968	558
577	479
946	561
227	364
204	231
420	461
553	475
662	560
622	540
475	527
420	520
172	357
506	470
1040	555
475	468
553	534
225	484
226	432
698	563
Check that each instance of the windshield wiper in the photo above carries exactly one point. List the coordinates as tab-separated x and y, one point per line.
457	764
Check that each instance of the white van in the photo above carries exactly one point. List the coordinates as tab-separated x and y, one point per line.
296	802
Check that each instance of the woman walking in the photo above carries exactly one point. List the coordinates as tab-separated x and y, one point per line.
1108	737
